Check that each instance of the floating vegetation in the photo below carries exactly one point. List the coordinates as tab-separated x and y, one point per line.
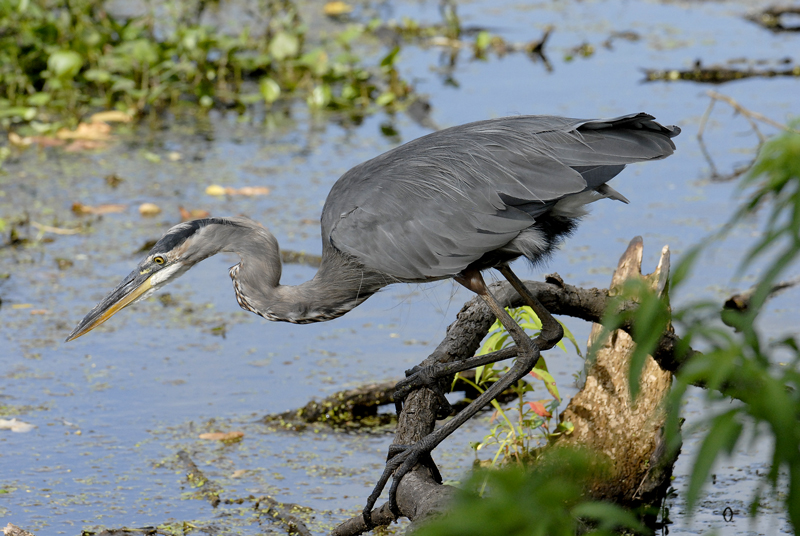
61	60
450	35
778	18
719	74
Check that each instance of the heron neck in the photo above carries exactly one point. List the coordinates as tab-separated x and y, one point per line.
338	286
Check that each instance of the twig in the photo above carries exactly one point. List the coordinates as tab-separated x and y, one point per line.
125	531
770	18
749	113
751	117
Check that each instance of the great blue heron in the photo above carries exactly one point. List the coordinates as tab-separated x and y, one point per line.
447	205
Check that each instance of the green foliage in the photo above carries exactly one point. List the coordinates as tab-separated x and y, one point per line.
546	500
518	428
60	59
762	378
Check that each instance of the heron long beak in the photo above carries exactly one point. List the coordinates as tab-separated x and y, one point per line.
127	292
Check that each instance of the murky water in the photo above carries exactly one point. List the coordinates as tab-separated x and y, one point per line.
113	408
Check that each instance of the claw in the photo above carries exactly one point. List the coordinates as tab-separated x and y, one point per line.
418	377
400	459
413	456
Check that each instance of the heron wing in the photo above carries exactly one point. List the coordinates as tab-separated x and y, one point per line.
429	208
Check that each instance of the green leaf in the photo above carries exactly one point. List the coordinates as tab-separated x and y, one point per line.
389	59
250	98
652	318
19	111
97	75
270	90
64	64
526	314
385	99
479	374
571	338
482	40
316	60
350	92
549	381
320	96
151	157
142	51
123	84
39	99
351	32
284	45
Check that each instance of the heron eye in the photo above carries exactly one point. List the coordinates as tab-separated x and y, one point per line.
159	260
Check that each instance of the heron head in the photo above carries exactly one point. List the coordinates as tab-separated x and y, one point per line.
179	249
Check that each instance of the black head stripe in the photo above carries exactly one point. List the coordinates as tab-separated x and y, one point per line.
181	232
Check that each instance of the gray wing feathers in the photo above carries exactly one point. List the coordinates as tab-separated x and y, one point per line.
429	208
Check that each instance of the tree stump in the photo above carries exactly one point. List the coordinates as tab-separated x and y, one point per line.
628	435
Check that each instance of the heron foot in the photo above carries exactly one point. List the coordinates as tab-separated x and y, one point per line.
418	377
400	460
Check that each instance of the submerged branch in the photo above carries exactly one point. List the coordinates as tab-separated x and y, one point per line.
282	513
774	18
207	489
358	408
718	74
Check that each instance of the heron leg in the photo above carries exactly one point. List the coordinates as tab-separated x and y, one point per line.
404	461
528	355
431	376
552	331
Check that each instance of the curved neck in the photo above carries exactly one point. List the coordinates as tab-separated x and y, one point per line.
339	285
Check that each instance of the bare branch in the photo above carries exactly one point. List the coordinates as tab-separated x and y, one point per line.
752	118
749	114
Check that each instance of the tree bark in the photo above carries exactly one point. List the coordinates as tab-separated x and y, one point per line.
602	412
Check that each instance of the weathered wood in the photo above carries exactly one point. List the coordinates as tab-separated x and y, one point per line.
626	433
